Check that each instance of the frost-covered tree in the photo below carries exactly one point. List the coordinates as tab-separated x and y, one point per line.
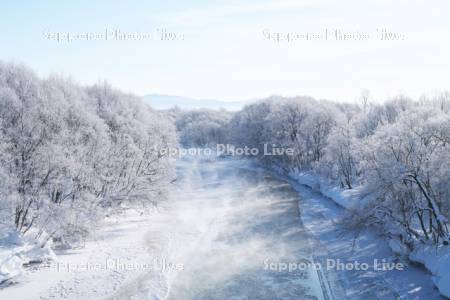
301	124
406	165
248	125
203	127
137	134
67	151
341	154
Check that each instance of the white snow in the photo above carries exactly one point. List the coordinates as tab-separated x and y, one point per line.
119	251
437	261
17	251
343	197
322	218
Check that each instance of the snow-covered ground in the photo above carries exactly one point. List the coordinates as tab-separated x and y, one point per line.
94	271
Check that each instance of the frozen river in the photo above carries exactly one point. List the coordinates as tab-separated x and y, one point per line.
250	230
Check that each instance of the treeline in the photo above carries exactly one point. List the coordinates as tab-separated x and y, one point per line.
396	154
68	152
202	127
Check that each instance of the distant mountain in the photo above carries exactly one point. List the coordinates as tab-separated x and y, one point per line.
167	101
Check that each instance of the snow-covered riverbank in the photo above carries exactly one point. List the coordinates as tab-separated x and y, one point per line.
114	254
323	208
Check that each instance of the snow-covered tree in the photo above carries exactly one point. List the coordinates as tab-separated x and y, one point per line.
406	165
67	151
340	154
203	127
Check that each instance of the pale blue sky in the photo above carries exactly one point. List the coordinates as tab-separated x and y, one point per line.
224	54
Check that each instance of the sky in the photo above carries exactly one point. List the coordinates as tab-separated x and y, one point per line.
236	50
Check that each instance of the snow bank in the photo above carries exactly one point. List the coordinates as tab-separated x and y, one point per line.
17	251
343	197
436	261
